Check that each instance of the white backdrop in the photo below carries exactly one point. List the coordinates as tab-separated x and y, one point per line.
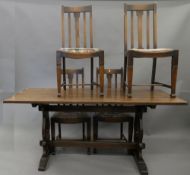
29	37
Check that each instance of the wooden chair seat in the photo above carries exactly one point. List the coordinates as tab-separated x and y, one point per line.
113	117
80	52
70	118
61	118
152	51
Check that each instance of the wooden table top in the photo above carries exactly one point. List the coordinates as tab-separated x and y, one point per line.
86	96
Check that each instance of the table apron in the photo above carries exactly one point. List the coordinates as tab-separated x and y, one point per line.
91	108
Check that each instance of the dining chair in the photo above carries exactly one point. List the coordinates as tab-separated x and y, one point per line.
141	19
112	117
77	45
60	118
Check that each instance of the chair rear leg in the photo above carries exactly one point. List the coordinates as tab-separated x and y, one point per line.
83	131
89	134
122	136
91	72
174	68
121	130
153	73
64	74
95	132
59	130
58	62
124	77
53	135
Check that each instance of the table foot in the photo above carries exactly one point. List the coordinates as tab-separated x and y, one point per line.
141	165
43	163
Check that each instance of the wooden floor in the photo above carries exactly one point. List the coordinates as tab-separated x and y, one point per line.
86	96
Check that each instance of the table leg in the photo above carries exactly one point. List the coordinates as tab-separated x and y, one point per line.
45	143
138	137
141	164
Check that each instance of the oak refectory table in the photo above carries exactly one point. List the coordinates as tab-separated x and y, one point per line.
86	100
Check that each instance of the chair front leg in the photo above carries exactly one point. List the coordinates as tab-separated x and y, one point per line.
121	130
58	64
101	68
130	75
130	130
153	73
83	131
125	71
174	69
64	74
130	133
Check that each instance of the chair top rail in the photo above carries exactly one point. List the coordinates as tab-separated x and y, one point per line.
140	7
77	9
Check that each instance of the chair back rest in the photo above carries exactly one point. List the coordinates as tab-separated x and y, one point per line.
110	73
71	73
70	16
139	14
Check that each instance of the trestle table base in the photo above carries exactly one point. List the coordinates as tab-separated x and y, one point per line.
135	147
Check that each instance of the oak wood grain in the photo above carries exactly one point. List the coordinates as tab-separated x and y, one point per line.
87	96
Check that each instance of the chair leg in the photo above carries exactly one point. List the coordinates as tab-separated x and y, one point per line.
58	62
130	76
83	130
64	74
124	76
130	130
130	134
153	73
92	72
95	132
59	130
174	68
121	130
101	70
88	134
53	135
